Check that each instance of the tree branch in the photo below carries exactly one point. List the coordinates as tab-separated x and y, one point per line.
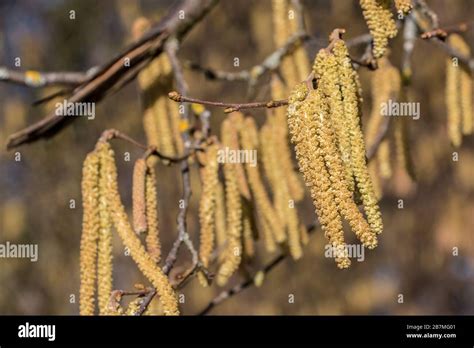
113	75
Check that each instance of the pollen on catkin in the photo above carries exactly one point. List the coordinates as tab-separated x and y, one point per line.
381	24
142	258
90	233
403	6
152	239
277	118
220	216
312	166
350	93
138	196
105	257
232	255
230	139
207	206
249	139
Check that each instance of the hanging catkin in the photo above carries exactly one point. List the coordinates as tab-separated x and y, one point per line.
458	93
315	174
280	131
138	253
350	88
230	138
249	139
403	6
292	68
320	101
220	216
381	24
90	233
233	251
207	206
248	228
138	196
287	214
152	240
105	258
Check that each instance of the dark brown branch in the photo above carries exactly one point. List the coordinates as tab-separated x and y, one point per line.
442	33
120	70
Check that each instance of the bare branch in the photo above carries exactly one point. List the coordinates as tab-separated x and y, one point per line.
35	79
113	75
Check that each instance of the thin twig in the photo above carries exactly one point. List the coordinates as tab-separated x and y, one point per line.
35	79
230	107
150	150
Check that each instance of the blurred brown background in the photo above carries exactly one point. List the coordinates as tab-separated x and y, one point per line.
414	257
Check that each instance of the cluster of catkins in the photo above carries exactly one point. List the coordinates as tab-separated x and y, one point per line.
458	93
379	19
161	119
233	212
325	128
102	209
386	86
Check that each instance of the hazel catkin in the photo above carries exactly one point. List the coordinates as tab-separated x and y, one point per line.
138	253
207	205
138	196
233	250
152	239
105	257
350	93
90	233
381	24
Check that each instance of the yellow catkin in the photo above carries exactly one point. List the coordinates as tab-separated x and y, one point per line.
300	57
278	120
152	239
138	253
402	147
268	239
230	138
233	251
207	206
404	6
220	216
138	196
349	88
105	257
272	168
315	174
286	212
338	118
322	101
281	33
175	118
248	228
381	24
90	233
458	93
160	109
385	85
249	139
383	159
